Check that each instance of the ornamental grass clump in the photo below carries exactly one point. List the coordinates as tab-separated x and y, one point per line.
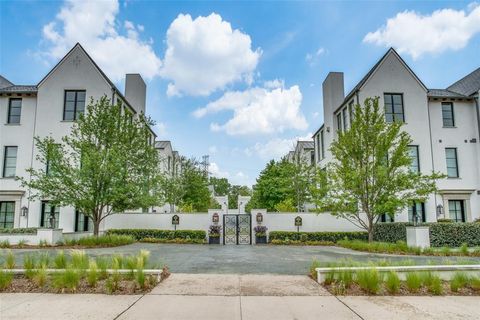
60	260
79	260
413	281
9	260
345	278
102	264
4	244
29	266
43	260
131	264
92	274
140	278
40	277
475	283
392	282
464	249
369	280
314	265
5	279
459	281
68	279
435	287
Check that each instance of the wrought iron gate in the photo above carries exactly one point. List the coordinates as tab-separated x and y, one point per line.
237	229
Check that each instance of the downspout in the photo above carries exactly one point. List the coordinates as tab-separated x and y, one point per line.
431	151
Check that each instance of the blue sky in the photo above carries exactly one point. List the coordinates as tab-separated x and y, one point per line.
240	81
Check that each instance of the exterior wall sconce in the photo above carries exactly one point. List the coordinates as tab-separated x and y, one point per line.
259	218
439	210
24	211
215	218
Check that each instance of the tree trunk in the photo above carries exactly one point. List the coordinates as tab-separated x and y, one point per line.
370	235
96	227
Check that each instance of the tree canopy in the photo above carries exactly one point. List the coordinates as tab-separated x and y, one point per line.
106	164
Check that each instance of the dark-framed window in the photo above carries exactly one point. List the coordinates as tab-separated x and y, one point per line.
82	222
413	152
48	166
74	104
419	209
317	143
448	115
47	211
394	107
14	110
350	111
322	144
312	156
7	214
344	119
339	121
452	162
386	218
456	208
9	161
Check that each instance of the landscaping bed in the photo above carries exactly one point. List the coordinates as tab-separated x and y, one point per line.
140	234
77	273
103	241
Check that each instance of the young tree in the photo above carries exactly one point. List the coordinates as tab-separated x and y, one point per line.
370	173
301	178
107	164
195	186
172	190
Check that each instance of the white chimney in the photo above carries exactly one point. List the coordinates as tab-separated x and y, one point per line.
135	91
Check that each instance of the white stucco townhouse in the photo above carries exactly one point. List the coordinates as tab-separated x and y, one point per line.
49	108
443	123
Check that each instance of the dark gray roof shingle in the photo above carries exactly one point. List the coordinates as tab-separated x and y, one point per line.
468	85
444	93
19	89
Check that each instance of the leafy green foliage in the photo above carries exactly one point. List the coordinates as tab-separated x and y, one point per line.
107	164
435	285
316	236
18	230
92	274
195	186
108	240
68	279
5	279
60	260
139	234
40	277
285	206
455	234
370	174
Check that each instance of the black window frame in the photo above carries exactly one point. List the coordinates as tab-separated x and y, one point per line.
344	119
9	115
393	113
75	111
422	216
386	218
417	148
322	143
3	214
44	222
463	217
452	111
456	162
83	223
339	121
4	168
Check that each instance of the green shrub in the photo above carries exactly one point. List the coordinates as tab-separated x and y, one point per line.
139	234
92	274
455	234
413	281
140	278
458	281
313	273
102	264
392	282
43	260
475	283
369	280
464	249
9	260
22	242
109	240
5	279
427	278
60	260
316	236
345	278
68	279
18	230
435	287
4	244
43	243
390	232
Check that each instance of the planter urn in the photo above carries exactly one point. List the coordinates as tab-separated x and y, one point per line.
213	240
260	239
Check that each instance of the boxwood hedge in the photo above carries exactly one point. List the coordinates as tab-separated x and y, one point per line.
139	234
19	230
316	236
452	234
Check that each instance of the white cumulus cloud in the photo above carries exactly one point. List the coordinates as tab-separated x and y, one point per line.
277	147
258	110
205	54
417	34
94	25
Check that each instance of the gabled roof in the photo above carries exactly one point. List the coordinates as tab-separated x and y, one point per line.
305	144
19	89
4	82
468	85
162	144
444	93
365	79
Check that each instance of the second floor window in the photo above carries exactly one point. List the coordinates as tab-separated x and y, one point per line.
447	114
322	144
452	162
344	119
74	104
394	107
14	110
9	161
339	121
413	152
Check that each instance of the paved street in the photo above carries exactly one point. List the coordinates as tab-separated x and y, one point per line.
294	260
246	297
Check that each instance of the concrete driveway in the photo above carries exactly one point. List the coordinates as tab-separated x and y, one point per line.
246	297
270	259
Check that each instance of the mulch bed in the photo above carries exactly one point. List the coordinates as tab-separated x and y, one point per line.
355	290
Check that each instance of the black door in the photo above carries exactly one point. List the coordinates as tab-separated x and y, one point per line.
237	229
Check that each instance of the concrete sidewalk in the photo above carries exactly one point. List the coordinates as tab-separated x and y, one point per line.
186	296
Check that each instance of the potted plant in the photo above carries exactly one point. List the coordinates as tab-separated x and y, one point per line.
260	234
214	234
